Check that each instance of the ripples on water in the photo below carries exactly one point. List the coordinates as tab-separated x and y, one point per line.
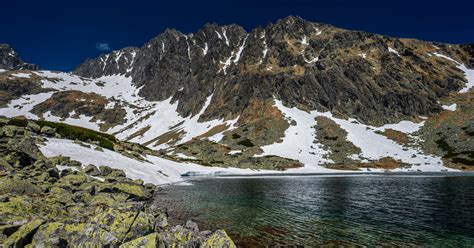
362	210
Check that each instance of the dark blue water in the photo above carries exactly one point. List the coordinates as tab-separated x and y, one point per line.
359	210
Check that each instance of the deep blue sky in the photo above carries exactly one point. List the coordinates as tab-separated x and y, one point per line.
61	34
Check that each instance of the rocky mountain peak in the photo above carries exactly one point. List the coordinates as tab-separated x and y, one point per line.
311	65
10	60
115	63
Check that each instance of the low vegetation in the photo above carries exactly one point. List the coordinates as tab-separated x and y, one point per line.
73	132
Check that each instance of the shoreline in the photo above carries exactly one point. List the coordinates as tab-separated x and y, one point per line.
330	174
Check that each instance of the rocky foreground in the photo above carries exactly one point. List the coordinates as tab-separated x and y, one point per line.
57	202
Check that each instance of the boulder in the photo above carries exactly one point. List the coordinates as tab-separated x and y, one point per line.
18	187
219	239
11	131
24	234
92	170
144	224
32	126
48	131
105	170
148	241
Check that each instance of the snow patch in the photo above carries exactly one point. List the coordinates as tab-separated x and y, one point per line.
22	75
469	73
393	51
205	49
234	152
299	139
298	142
22	106
184	156
224	33
451	107
155	170
304	41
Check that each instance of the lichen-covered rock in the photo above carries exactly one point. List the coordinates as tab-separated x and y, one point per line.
10	131
117	220
105	170
116	175
22	237
91	170
56	234
219	239
161	222
18	187
33	126
43	207
72	180
182	236
48	131
148	241
144	224
134	190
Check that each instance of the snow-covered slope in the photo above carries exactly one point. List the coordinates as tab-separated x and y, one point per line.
147	120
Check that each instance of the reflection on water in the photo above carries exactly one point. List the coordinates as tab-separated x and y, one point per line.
362	210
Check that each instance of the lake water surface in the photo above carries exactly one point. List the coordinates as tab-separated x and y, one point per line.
359	210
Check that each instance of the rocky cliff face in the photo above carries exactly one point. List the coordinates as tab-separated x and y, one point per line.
375	78
10	60
117	62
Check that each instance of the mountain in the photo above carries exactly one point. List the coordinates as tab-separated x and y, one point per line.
10	60
294	95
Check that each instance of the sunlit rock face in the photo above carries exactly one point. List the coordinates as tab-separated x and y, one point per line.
374	78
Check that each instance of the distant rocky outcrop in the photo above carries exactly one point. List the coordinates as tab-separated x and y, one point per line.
10	60
469	48
117	62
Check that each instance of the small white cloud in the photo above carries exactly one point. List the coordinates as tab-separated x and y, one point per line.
102	47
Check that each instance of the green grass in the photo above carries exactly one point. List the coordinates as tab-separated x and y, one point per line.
72	132
80	133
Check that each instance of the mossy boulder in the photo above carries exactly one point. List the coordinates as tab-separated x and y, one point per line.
105	170
144	224
117	220
74	179
18	187
33	126
48	131
135	191
11	131
92	170
56	234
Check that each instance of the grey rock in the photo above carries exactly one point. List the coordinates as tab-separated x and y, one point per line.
189	68
92	170
105	170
